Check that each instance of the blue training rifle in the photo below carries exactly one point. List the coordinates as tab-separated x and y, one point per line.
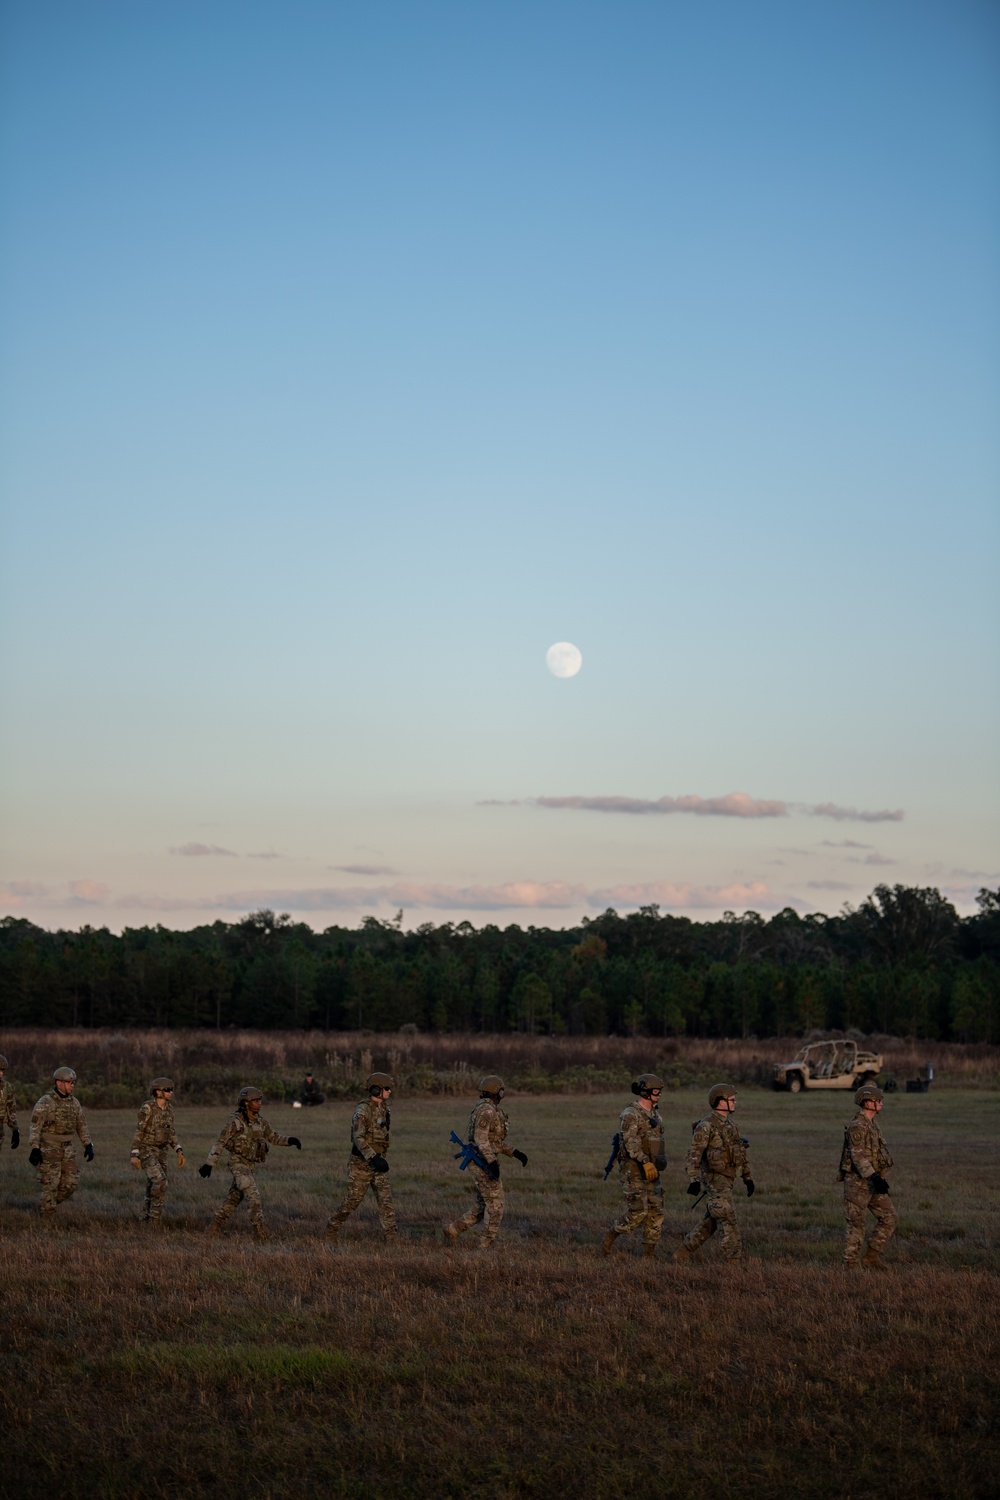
469	1153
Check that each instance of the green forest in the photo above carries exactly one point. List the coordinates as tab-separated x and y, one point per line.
903	962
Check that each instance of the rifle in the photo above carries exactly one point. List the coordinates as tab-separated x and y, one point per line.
469	1153
616	1141
698	1200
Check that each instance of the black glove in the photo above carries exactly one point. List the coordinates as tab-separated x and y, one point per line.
493	1171
751	1186
520	1156
88	1151
15	1138
660	1163
293	1140
378	1163
35	1157
694	1188
878	1184
205	1171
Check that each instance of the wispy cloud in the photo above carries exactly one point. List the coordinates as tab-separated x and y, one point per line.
264	854
668	893
199	851
365	869
873	859
843	844
854	814
829	885
89	892
14	893
732	805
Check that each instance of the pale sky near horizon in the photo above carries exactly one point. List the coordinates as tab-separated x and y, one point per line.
354	355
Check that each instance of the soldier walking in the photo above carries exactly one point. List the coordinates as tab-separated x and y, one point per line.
641	1159
155	1131
246	1136
718	1152
367	1166
488	1134
55	1119
864	1158
8	1108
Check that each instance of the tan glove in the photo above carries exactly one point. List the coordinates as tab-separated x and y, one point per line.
649	1171
134	1158
180	1158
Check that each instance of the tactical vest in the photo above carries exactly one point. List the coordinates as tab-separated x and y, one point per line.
722	1155
497	1126
373	1117
156	1126
873	1146
60	1117
649	1127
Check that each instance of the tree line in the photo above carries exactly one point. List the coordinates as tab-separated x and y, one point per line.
903	962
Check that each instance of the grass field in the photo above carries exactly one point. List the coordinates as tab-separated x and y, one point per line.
168	1364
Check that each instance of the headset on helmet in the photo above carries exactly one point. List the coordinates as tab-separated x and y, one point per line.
646	1084
64	1075
162	1085
492	1085
377	1081
720	1091
868	1094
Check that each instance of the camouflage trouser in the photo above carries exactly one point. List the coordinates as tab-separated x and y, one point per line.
244	1186
361	1177
643	1203
859	1200
719	1214
154	1164
58	1173
488	1207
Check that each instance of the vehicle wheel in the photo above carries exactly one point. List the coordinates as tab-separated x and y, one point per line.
866	1078
795	1083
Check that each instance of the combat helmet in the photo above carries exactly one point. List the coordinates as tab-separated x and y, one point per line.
646	1083
4	1064
64	1075
720	1091
379	1081
868	1094
162	1085
492	1085
249	1093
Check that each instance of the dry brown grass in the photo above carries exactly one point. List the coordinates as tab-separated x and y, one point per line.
210	1066
178	1365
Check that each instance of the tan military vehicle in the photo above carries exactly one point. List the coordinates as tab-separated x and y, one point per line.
828	1065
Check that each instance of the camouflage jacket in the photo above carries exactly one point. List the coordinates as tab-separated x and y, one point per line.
8	1110
155	1128
865	1150
488	1130
246	1139
717	1151
57	1119
640	1136
370	1129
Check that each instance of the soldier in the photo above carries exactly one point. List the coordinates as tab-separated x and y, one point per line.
641	1159
717	1153
488	1134
311	1091
366	1165
865	1156
8	1109
246	1136
54	1121
154	1132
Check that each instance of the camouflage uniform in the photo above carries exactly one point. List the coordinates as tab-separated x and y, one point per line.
865	1152
488	1133
247	1141
717	1153
154	1133
8	1110
369	1137
640	1139
54	1122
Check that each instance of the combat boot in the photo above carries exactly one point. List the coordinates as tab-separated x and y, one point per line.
214	1228
451	1234
682	1253
608	1242
259	1233
648	1251
332	1234
871	1259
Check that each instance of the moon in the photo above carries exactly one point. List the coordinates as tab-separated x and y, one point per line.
563	659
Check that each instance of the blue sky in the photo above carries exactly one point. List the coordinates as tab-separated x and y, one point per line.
354	355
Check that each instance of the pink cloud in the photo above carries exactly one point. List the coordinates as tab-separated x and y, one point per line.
16	892
853	814
667	893
93	892
733	805
200	850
